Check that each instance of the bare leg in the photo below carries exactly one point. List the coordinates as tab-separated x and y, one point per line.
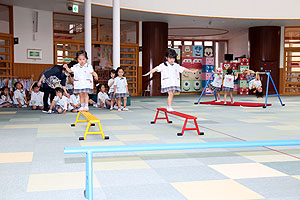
119	102
125	101
170	98
81	98
231	97
225	96
219	97
86	99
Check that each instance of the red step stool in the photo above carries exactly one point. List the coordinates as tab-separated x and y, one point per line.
187	117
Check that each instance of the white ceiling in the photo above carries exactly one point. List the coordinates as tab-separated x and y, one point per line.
234	26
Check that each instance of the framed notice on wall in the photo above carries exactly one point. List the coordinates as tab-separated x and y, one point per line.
34	53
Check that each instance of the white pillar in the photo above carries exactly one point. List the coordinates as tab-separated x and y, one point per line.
116	34
281	58
88	28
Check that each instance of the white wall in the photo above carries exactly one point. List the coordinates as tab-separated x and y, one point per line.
267	9
23	29
238	45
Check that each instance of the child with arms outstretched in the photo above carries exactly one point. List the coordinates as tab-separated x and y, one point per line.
170	79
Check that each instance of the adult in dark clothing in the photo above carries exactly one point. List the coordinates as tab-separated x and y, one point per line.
52	78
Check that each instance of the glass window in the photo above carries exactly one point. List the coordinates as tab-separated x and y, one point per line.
106	32
72	27
169	44
208	43
188	42
4	19
128	32
198	43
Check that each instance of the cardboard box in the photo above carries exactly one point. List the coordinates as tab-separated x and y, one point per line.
205	76
208	68
243	84
243	67
243	91
190	62
187	51
189	76
208	52
190	86
198	51
226	66
208	61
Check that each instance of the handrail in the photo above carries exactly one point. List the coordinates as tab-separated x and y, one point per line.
180	146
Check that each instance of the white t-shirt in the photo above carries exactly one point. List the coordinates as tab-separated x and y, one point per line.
170	74
103	96
37	99
217	80
253	84
74	100
121	84
20	94
111	88
229	81
3	99
83	77
63	102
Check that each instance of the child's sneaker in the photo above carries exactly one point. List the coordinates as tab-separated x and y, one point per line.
119	109
80	109
218	101
111	108
86	108
225	102
116	107
170	109
24	106
232	102
125	109
49	111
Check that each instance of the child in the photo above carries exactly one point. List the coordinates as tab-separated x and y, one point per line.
5	100
59	103
103	100
170	80
36	101
74	104
19	98
217	83
111	88
228	84
83	78
121	89
255	84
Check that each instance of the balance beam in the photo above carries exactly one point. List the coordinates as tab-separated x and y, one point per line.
88	192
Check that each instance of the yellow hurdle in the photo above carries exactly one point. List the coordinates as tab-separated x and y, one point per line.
92	120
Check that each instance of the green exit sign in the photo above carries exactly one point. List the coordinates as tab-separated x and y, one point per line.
34	53
75	8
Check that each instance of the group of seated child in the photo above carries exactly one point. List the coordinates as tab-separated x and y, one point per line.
60	103
253	79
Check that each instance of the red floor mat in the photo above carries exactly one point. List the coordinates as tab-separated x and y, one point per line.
245	104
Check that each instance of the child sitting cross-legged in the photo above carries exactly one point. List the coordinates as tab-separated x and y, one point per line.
36	100
103	99
5	100
74	104
59	103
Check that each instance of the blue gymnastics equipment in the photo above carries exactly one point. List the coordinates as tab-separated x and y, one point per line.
203	90
88	192
267	90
